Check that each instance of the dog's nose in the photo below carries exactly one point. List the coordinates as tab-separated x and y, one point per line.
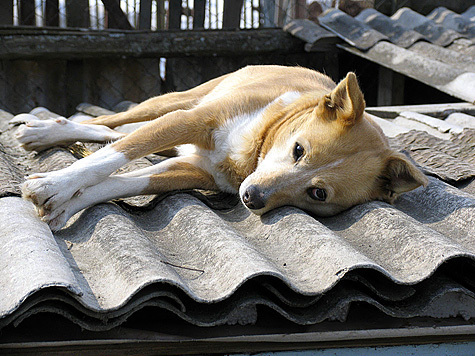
253	198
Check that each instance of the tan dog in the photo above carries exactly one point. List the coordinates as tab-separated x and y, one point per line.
277	135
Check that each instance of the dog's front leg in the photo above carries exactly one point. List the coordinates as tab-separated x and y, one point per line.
50	190
172	174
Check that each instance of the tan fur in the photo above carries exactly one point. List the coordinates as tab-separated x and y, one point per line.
330	118
342	154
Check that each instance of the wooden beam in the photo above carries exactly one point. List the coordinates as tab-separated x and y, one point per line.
40	43
232	13
116	17
436	110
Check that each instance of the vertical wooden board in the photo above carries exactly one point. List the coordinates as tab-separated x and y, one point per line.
52	13
77	13
6	89
183	73
75	84
161	14
28	84
300	9
390	87
174	14
145	16
281	12
267	13
232	13
110	81
199	7
54	83
6	14
26	12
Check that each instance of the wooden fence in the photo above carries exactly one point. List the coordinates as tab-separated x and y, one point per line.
151	14
52	54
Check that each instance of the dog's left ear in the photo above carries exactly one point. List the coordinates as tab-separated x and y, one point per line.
345	103
400	176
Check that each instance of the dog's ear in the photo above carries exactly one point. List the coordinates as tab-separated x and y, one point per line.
400	176
345	103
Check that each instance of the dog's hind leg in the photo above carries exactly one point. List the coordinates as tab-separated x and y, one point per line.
173	174
158	106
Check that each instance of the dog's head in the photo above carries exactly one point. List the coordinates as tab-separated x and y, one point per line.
326	157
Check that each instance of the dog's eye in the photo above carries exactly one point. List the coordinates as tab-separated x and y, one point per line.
298	151
319	194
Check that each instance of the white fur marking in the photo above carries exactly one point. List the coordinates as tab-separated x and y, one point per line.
39	134
51	190
230	140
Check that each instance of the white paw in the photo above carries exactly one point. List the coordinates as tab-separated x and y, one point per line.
22	119
48	191
41	134
58	218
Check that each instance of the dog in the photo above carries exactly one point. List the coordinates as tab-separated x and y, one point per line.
275	135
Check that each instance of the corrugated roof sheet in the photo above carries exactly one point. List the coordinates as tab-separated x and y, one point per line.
438	49
205	258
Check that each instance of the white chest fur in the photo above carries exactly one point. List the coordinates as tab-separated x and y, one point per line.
230	141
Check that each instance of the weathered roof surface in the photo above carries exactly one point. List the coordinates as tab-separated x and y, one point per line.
438	49
206	259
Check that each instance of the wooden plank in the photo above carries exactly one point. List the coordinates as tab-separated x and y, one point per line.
75	84
93	44
199	8
145	16
232	13
52	13
77	13
161	14
110	82
6	15
116	17
26	12
174	14
435	110
267	13
456	340
282	8
300	10
390	87
27	84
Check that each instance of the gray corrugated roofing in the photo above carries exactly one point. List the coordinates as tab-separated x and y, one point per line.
206	259
438	49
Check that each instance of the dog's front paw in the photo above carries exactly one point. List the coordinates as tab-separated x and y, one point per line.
58	218
41	134
48	191
22	119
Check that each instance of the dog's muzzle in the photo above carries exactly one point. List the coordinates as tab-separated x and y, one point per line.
253	198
